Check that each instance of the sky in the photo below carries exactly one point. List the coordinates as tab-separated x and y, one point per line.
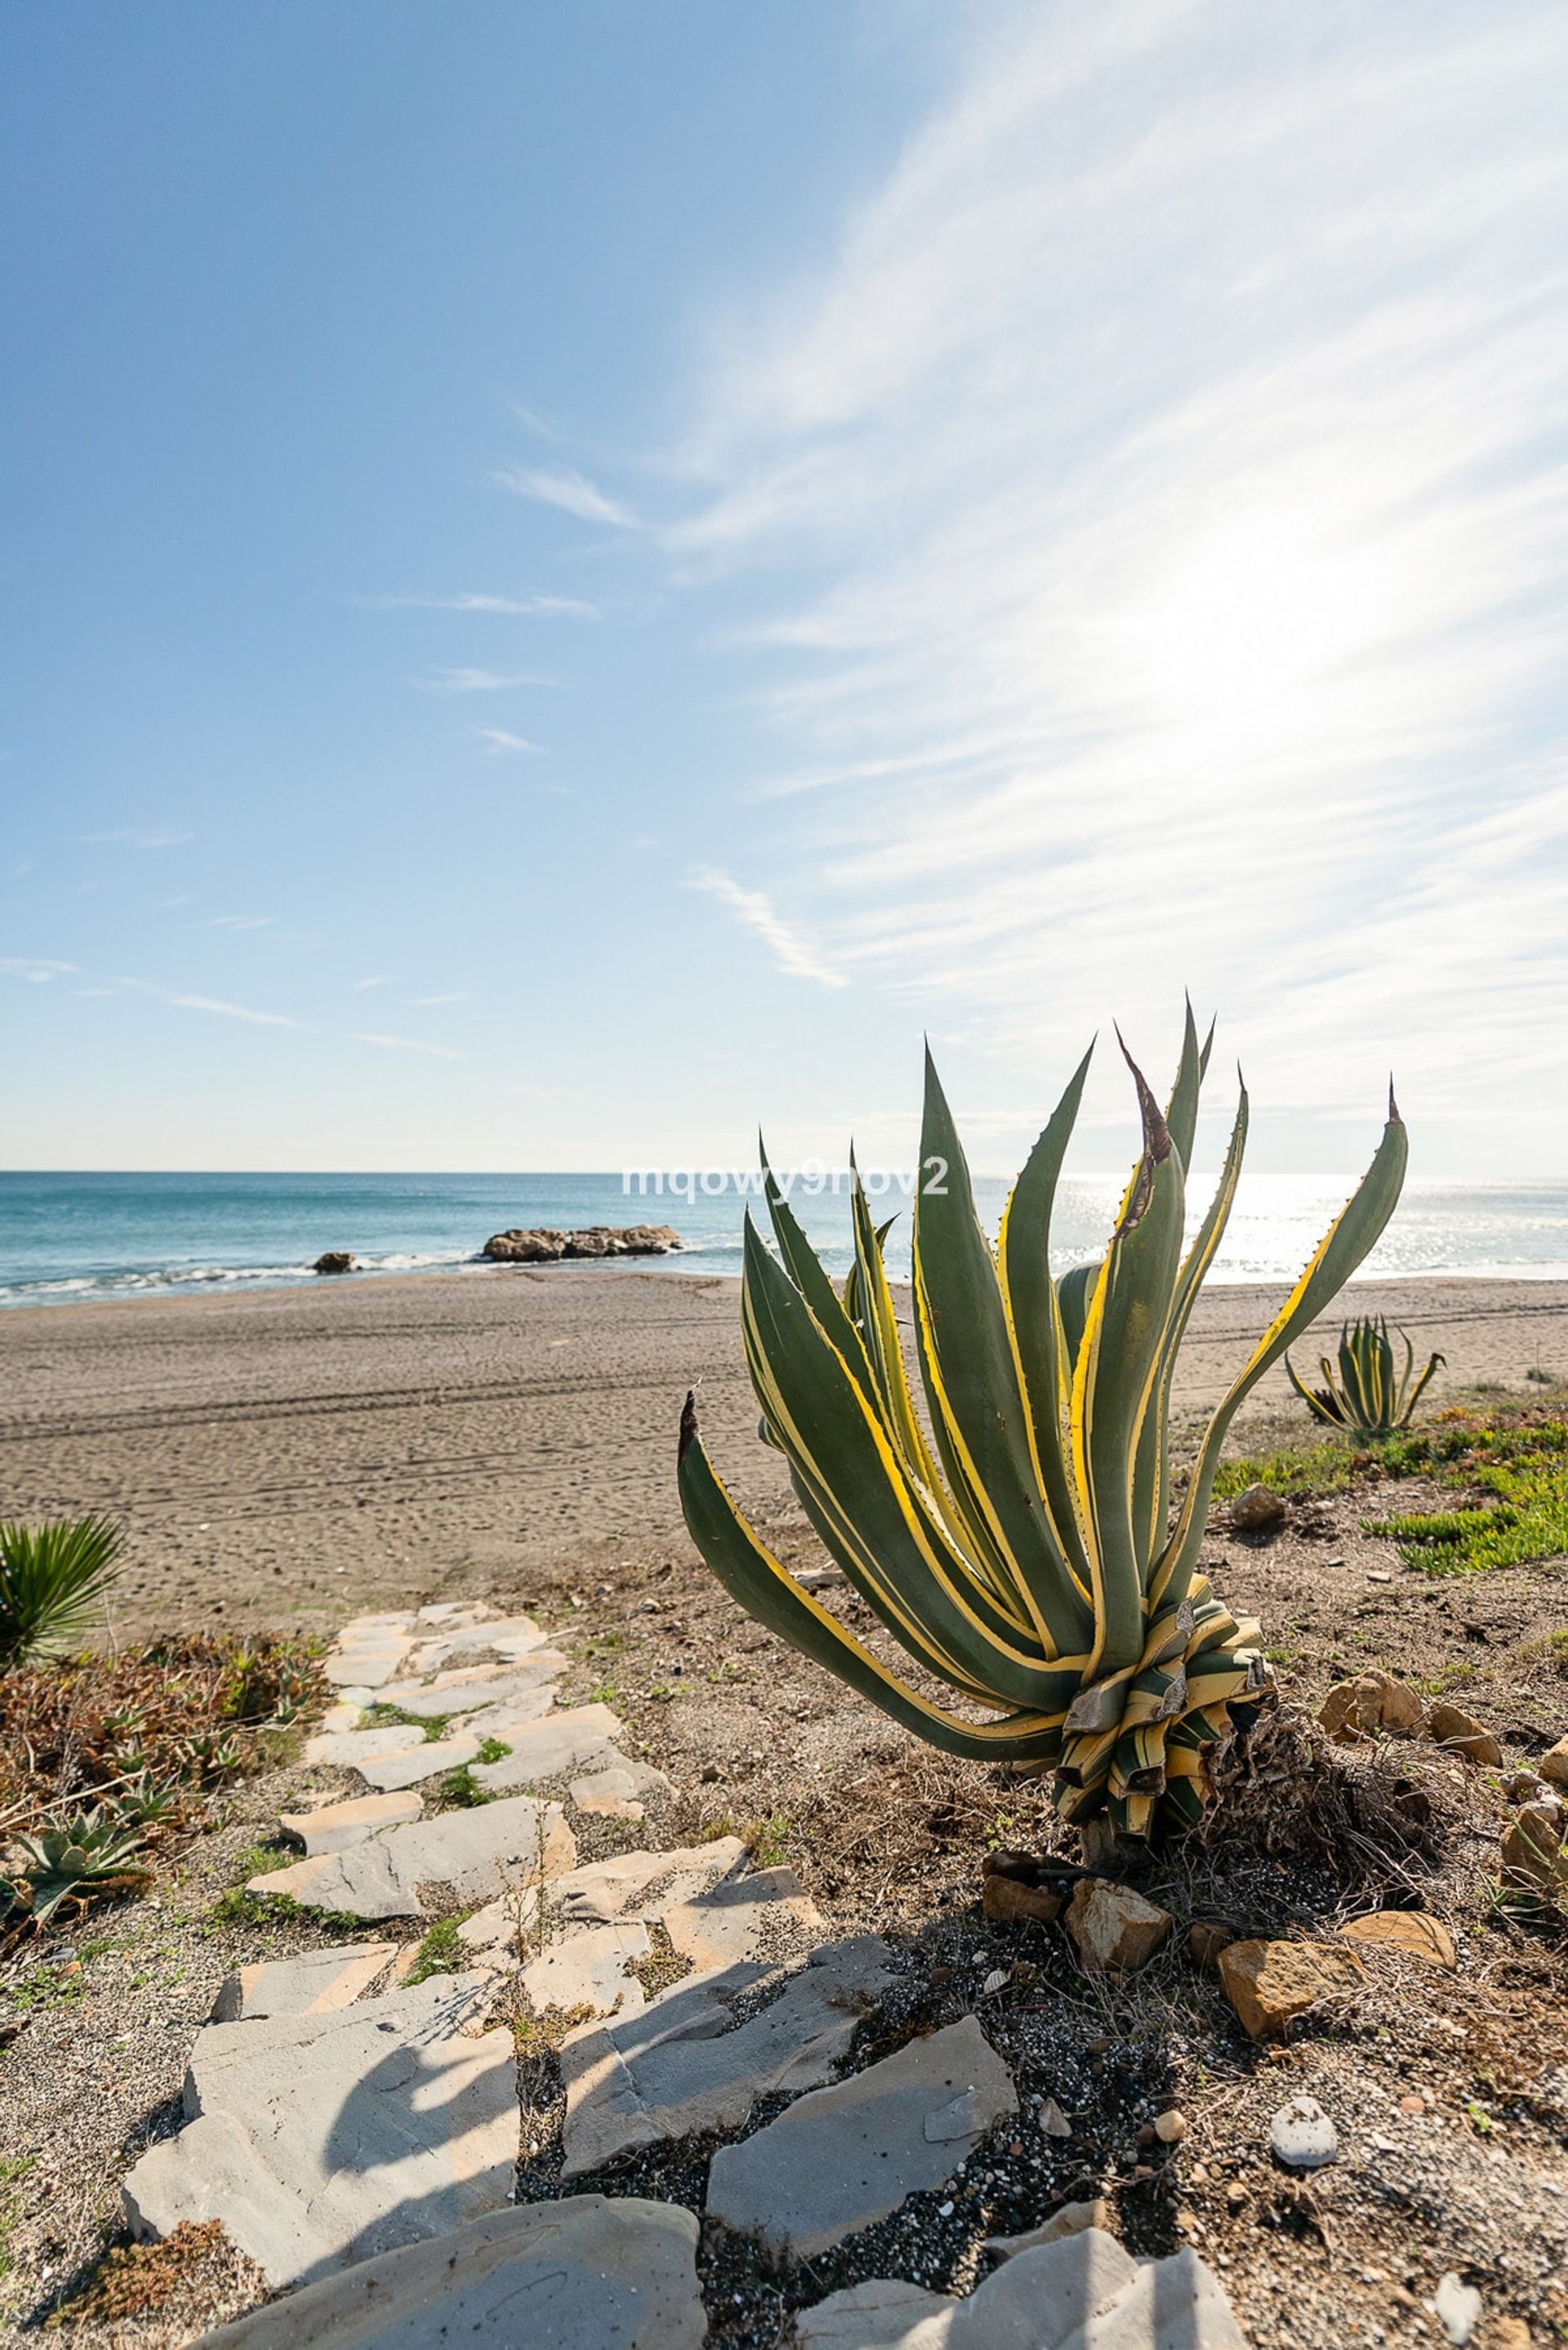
576	579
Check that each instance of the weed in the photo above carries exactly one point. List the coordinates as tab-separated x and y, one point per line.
382	1715
1327	1468
461	1790
606	1694
493	1749
724	1825
442	1952
767	1840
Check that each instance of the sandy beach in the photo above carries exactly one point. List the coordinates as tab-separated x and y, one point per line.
285	1457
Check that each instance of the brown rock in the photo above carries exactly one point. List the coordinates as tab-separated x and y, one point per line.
520	1247
1508	2333
1259	1511
1114	1928
1007	1903
1358	1709
1269	1984
1532	1853
1070	2220
1205	1938
1462	1733
334	1261
1170	2128
1554	1766
1406	1930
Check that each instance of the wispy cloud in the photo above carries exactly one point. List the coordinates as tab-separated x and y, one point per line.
571	491
228	1011
521	608
407	1045
499	739
1177	433
151	837
230	922
790	951
360	986
37	970
457	995
479	681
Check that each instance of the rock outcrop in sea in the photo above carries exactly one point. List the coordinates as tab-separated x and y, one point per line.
544	1245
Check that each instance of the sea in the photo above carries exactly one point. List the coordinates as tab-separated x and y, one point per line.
75	1237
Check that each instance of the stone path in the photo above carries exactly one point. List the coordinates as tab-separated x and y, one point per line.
358	2135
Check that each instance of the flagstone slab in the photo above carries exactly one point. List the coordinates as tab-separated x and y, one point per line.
479	1854
345	1714
589	1970
319	2140
685	2063
589	2272
617	1786
336	1826
349	1748
412	1766
316	1982
477	1685
561	1742
643	1884
1084	2292
744	1917
371	1662
842	2158
510	1638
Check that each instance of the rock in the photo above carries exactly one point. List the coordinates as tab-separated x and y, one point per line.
496	1640
1523	1787
1006	1902
314	1983
368	1661
544	1245
1457	2307
1462	1733
1508	2333
1409	1931
1070	2220
1359	1709
1533	1856
1081	2292
336	1826
1553	1765
1259	1511
840	2158
1054	2122
744	1917
615	1789
1269	1984
548	1749
472	1685
1205	1938
344	1748
479	1853
1302	2136
589	1970
1170	2128
322	2139
334	1261
1114	1928
684	2064
644	1884
412	1766
589	2269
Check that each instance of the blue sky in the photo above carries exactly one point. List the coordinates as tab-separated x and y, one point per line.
575	578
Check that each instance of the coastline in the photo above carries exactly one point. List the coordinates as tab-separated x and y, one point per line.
285	1456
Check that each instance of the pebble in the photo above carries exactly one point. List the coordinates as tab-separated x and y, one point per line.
1457	2307
1302	2136
1170	2128
1053	2120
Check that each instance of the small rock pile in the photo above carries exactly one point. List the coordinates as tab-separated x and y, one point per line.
544	1245
357	2131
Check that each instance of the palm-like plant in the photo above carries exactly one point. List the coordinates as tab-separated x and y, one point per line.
1023	1552
1372	1396
53	1579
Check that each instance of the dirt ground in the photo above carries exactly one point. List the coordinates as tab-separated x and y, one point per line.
1450	2092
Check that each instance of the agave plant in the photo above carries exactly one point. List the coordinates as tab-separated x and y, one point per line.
1372	1396
1022	1546
53	1578
94	1856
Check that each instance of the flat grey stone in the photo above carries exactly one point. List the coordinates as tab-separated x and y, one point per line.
589	2272
842	2158
465	1693
1082	2292
413	1765
562	1741
354	1746
335	1826
369	1662
481	1854
314	1983
1302	2136
589	1970
322	2139
685	2063
744	1917
644	1884
616	1786
506	1638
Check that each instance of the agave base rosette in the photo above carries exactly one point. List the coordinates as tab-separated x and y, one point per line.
1019	1541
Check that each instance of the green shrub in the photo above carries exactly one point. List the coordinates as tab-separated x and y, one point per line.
53	1580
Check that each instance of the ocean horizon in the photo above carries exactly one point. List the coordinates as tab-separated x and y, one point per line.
67	1237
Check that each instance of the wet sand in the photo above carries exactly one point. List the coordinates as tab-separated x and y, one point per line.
282	1457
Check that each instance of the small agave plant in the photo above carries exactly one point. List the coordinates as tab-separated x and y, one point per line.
1019	1542
94	1856
1372	1396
